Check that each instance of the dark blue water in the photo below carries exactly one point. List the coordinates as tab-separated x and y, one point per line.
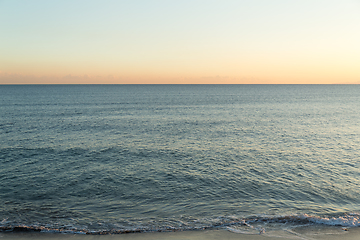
117	158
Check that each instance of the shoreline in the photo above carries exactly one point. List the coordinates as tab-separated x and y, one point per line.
312	232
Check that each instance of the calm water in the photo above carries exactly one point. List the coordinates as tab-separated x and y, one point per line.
92	158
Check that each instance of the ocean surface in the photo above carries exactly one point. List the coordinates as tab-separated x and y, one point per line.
137	158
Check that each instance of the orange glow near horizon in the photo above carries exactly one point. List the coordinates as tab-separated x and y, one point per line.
85	79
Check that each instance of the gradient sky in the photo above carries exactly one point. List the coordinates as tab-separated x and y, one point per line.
164	41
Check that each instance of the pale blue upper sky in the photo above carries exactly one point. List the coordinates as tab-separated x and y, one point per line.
258	39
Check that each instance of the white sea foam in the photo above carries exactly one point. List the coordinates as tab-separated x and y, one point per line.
350	220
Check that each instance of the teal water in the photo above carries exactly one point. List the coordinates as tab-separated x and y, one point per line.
117	158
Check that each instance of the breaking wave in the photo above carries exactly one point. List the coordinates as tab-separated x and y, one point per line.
249	225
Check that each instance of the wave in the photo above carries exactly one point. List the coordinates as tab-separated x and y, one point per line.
250	225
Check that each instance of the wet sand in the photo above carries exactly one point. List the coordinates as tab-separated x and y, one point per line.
320	233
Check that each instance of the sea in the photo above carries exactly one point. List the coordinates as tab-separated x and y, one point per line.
112	159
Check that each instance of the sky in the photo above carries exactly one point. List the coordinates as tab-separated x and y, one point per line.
179	42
